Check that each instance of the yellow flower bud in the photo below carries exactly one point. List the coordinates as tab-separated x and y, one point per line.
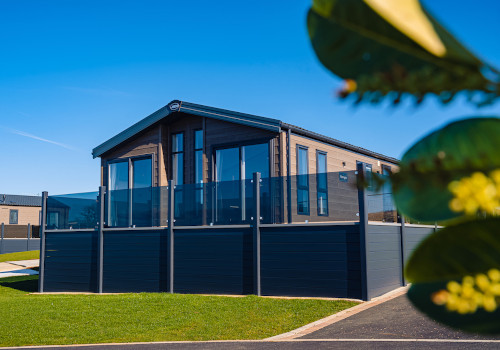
467	291
489	303
495	289
468	280
482	281
454	287
452	302
440	297
494	274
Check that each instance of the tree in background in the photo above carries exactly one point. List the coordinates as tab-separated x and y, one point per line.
394	49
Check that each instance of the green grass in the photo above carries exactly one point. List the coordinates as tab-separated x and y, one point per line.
27	319
34	254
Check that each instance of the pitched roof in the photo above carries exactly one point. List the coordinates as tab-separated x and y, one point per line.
18	200
223	114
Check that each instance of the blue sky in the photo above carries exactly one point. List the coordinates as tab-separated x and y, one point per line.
75	73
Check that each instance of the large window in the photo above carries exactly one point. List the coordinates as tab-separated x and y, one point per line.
322	183
142	192
234	173
302	180
13	217
118	185
130	192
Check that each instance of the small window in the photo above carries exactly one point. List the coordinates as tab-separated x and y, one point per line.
178	158
322	183
302	180
13	217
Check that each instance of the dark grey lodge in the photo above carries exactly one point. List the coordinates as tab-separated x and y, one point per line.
196	199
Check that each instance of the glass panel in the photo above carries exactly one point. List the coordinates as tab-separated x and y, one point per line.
380	204
118	212
302	201
178	168
255	158
198	139
303	166
178	142
77	211
142	205
227	189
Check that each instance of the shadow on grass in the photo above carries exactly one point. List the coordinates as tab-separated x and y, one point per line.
28	284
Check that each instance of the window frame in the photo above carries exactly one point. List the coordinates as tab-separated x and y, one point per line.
302	188
11	222
318	153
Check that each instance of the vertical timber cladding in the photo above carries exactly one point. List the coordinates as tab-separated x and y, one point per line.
383	261
135	261
213	261
70	262
142	144
311	261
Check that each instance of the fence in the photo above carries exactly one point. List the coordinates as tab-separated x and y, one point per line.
19	238
258	236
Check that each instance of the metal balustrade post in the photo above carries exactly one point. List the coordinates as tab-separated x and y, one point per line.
43	224
403	252
256	234
2	233
100	239
363	227
170	244
28	234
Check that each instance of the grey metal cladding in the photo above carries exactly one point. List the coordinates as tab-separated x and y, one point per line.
311	261
214	261
135	261
71	262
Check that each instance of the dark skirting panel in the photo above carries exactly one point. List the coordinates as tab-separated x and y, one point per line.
71	262
312	261
135	261
213	261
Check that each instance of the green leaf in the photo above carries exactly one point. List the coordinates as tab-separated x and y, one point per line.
467	248
450	153
480	321
397	48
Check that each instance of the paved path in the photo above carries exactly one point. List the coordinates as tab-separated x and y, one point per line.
393	319
18	268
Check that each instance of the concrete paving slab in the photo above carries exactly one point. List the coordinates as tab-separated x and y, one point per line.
26	263
16	273
9	267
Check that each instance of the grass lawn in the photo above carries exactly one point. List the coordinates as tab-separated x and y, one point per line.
27	319
34	254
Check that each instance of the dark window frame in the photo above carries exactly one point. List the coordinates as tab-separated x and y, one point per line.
325	190
303	188
11	222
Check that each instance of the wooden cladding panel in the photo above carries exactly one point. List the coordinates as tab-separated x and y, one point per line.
335	156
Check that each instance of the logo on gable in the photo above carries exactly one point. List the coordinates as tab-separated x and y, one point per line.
174	106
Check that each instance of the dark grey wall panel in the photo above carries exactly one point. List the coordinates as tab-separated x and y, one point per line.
135	261
311	261
413	236
383	260
14	245
71	262
214	261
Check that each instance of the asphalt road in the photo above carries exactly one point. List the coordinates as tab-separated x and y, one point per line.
394	324
393	319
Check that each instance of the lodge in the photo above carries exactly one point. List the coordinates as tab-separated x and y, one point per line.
196	199
194	145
